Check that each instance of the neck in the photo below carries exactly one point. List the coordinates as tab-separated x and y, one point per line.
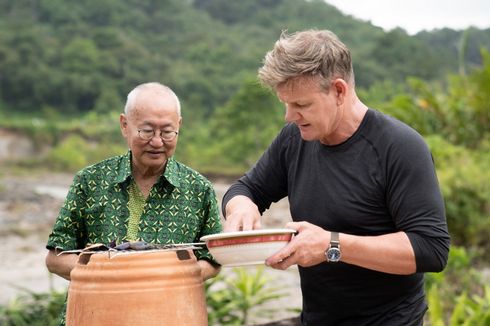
145	179
147	174
353	114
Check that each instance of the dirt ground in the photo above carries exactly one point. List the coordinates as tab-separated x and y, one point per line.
28	208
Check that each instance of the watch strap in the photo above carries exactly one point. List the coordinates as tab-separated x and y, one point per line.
334	239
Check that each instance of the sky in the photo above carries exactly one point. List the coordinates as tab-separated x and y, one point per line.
416	15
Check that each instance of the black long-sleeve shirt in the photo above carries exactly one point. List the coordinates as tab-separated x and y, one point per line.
381	180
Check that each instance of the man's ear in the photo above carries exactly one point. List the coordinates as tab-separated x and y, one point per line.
123	123
340	88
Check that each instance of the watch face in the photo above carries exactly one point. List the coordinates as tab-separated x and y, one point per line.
333	254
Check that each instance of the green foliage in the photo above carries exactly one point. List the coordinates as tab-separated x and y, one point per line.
74	153
247	123
458	295
460	112
233	300
68	156
459	273
33	309
74	56
464	176
468	311
396	46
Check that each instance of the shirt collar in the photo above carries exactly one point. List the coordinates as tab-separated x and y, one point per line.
170	173
124	168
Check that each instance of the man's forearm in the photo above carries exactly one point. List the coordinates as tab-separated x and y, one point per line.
390	253
61	265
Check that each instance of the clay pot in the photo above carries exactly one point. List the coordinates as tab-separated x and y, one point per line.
137	288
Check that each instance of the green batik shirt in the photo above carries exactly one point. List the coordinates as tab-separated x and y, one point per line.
181	207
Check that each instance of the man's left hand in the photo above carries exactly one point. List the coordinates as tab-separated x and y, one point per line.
307	248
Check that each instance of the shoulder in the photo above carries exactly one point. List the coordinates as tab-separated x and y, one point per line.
106	170
188	177
289	131
395	142
289	136
386	130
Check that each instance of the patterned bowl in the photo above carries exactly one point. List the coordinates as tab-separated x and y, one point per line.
246	247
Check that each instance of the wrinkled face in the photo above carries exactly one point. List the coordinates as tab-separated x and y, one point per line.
151	114
313	109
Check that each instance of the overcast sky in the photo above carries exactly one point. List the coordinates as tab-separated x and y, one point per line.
417	15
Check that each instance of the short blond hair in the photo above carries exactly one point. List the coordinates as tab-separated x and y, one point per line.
309	53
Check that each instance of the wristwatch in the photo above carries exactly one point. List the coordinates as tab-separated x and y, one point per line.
333	252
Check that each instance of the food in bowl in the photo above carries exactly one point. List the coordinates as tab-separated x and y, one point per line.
246	247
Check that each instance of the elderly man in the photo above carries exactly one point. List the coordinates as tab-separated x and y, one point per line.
362	189
142	195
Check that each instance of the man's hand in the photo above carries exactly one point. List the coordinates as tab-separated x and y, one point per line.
207	270
307	248
241	215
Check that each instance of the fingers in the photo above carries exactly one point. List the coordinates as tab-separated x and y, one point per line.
298	226
247	224
241	215
241	222
284	264
306	248
283	258
232	224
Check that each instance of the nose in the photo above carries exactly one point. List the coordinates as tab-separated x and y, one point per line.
157	140
291	115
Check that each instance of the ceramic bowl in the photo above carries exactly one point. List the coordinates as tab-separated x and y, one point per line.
246	247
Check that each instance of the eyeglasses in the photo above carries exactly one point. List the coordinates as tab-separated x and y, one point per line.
148	134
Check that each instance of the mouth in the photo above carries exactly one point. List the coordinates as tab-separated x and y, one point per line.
155	153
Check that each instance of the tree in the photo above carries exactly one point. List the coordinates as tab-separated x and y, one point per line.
247	123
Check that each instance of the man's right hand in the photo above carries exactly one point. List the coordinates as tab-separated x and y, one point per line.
241	215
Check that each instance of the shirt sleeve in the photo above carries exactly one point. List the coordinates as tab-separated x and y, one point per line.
415	201
211	224
68	232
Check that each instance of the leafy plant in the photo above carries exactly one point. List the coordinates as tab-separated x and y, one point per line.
233	300
468	311
458	295
33	309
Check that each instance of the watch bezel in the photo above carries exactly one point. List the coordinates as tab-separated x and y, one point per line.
333	254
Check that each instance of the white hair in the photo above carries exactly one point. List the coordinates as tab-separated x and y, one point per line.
157	88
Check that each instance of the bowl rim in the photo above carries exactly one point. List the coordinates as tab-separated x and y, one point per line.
235	234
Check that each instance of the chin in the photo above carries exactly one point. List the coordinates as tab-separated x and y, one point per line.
156	162
308	137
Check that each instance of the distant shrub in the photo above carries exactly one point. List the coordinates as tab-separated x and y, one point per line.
75	152
464	177
69	154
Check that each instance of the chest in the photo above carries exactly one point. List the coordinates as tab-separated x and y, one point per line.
168	215
342	191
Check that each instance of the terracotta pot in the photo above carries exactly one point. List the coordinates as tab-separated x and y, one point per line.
137	288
